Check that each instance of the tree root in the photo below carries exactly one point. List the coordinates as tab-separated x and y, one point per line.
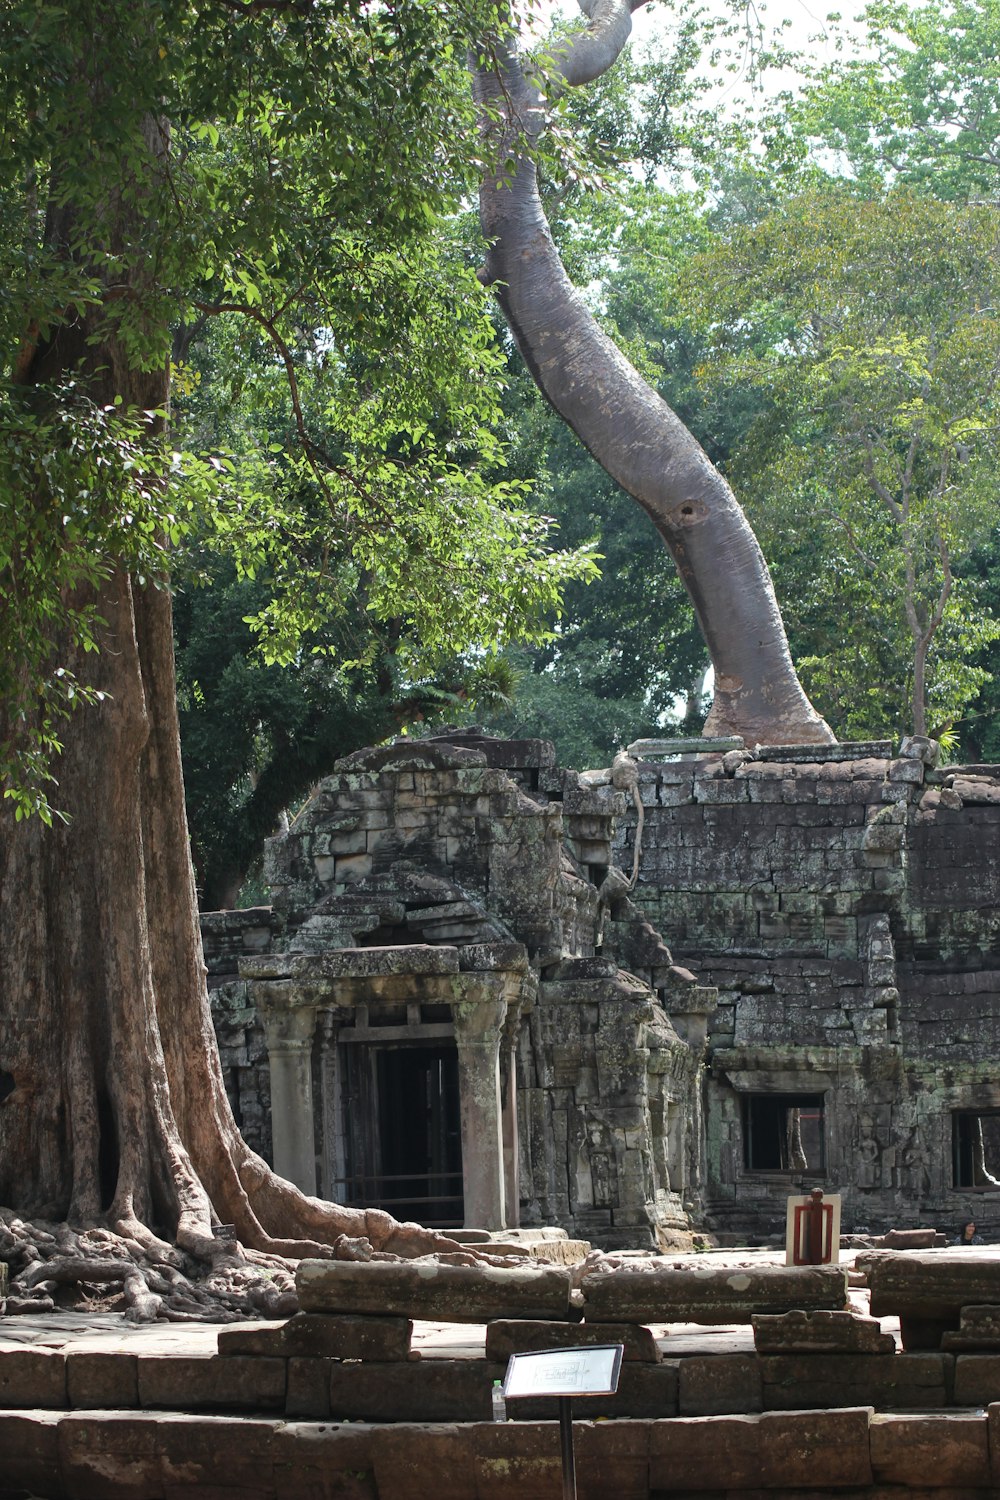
58	1265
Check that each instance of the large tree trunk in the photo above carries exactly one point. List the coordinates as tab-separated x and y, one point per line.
112	1103
627	427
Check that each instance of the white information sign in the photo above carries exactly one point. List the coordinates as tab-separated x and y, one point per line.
564	1372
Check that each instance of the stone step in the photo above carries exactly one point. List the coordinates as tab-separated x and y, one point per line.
120	1456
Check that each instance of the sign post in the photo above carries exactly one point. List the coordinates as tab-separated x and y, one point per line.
812	1229
565	1373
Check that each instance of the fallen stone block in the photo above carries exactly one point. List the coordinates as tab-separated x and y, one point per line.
819	1332
714	1385
98	1380
928	1292
507	1336
327	1335
930	1451
32	1377
705	1453
710	1294
819	1450
192	1383
431	1289
890	1382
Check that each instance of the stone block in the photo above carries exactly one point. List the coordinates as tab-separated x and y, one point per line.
516	1461
644	1391
233	1454
457	1294
29	1451
414	1462
32	1377
891	1382
95	1379
307	1393
426	1390
323	1334
186	1383
316	1462
714	1385
705	1453
979	1329
711	1295
820	1333
993	1428
933	1286
820	1450
977	1379
618	1449
116	1456
930	1451
507	1336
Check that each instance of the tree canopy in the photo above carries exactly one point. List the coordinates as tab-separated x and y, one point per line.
282	176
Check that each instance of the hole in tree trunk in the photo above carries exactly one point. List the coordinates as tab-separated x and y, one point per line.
8	1084
108	1154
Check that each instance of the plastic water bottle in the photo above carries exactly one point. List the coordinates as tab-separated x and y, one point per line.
499	1404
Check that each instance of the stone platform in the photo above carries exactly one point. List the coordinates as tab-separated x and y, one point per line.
799	1403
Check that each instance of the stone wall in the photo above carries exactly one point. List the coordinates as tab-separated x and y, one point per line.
487	854
841	905
846	907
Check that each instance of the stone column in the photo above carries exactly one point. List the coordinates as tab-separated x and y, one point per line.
332	1143
289	1037
479	1018
518	993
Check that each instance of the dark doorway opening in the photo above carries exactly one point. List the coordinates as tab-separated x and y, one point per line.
783	1133
402	1131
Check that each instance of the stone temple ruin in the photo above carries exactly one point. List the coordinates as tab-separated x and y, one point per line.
462	1009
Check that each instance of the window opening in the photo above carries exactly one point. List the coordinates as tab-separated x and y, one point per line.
783	1133
975	1140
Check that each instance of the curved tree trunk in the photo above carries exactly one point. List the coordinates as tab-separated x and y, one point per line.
627	427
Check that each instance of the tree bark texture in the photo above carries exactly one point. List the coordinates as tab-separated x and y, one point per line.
628	428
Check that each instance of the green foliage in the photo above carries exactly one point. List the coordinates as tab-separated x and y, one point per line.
286	175
921	106
869	326
83	491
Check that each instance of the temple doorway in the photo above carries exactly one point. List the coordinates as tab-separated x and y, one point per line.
402	1131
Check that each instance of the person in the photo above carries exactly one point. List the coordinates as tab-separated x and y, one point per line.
968	1235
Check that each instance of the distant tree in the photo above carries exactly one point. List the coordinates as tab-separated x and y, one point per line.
918	104
871	327
631	431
